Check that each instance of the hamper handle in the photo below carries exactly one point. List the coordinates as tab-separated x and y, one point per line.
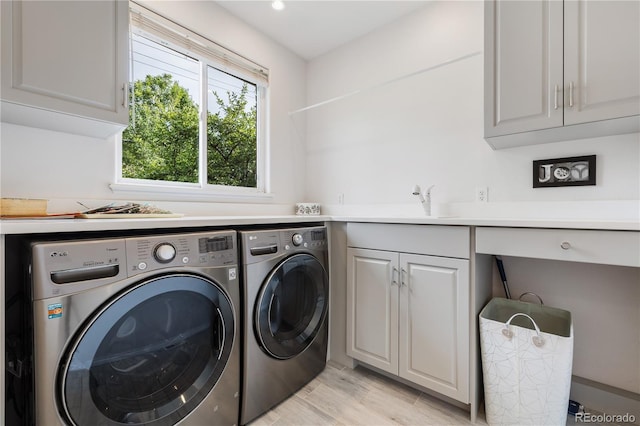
531	294
537	339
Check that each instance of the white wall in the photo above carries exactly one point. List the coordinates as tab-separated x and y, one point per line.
372	147
604	302
427	129
43	164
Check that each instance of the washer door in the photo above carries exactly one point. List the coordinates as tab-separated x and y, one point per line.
292	306
151	355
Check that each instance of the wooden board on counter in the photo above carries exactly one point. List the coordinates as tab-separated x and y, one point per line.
127	215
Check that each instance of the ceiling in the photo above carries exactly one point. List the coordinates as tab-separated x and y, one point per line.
311	28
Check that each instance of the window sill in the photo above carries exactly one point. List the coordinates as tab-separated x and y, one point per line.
190	193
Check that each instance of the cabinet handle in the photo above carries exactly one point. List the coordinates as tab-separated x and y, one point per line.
402	281
565	245
124	95
571	94
555	98
394	280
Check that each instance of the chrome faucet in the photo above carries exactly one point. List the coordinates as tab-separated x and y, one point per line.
425	198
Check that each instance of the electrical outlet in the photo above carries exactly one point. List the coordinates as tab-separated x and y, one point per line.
482	194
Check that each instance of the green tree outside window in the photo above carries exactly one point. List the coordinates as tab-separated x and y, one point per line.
162	140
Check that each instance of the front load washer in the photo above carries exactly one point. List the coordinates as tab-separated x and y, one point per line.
286	297
136	330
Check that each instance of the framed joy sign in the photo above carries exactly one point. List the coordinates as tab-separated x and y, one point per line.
570	171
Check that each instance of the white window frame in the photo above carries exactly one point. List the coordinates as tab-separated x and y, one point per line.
156	28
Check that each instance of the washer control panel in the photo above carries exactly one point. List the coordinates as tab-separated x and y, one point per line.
205	249
297	239
61	267
164	252
64	267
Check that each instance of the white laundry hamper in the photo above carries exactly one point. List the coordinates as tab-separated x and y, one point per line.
527	354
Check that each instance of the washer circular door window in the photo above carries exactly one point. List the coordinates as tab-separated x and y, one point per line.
151	355
291	306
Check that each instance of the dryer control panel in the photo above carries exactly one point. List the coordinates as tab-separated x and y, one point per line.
263	244
206	249
308	238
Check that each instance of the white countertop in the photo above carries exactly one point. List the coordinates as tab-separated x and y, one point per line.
36	226
621	225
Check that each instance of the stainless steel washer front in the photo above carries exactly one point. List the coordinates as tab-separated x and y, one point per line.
286	298
139	330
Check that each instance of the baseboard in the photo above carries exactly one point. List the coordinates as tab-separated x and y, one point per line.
606	400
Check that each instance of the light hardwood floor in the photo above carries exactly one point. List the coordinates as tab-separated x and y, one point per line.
352	397
345	396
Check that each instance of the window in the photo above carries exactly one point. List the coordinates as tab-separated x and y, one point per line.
197	114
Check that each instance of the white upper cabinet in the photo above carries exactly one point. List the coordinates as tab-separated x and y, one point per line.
65	65
559	70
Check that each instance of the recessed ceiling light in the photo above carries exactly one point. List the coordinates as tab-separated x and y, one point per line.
277	4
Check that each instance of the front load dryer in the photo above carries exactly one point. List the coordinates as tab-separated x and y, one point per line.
136	330
286	297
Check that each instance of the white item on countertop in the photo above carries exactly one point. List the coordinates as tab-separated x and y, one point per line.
307	208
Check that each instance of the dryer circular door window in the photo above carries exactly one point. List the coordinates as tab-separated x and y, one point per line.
291	306
151	355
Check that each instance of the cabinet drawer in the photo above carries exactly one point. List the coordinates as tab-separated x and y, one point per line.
435	240
605	247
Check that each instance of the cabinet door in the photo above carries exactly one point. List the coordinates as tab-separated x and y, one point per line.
372	307
66	57
434	324
523	66
602	60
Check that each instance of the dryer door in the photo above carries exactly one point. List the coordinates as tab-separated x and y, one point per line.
151	355
292	306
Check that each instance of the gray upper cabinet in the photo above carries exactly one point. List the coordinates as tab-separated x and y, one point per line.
65	65
560	70
523	56
601	60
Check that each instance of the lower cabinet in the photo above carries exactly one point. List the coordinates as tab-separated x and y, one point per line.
408	314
